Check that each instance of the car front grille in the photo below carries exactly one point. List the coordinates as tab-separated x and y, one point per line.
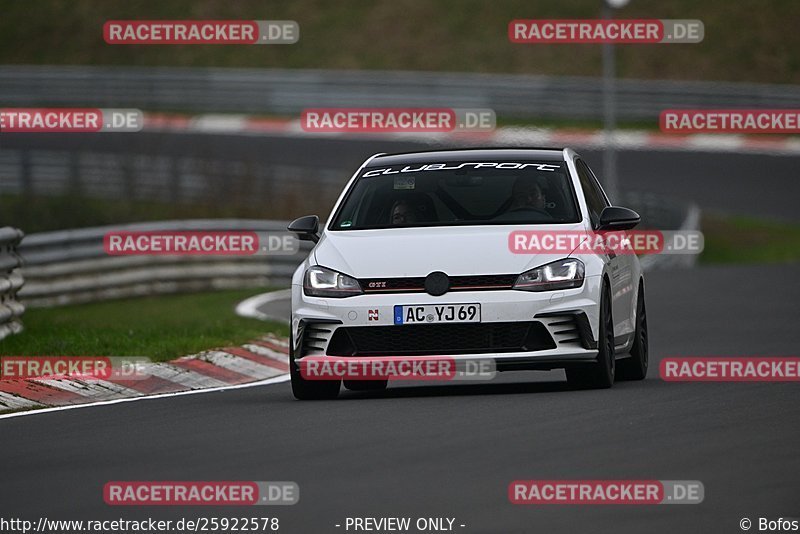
439	339
457	283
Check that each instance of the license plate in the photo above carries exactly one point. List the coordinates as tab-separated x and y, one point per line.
437	313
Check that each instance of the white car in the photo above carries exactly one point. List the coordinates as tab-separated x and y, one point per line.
425	231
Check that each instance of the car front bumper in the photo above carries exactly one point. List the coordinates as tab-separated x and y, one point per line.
561	326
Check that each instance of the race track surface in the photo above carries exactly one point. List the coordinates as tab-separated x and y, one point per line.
451	450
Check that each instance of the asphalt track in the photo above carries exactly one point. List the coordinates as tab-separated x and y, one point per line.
451	450
761	185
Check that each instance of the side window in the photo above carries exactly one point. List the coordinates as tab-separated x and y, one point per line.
597	185
594	196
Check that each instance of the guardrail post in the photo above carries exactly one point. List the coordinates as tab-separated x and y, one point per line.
11	281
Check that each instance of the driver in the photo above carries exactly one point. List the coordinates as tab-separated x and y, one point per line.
527	199
527	194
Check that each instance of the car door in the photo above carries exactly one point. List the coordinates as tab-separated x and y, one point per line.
620	266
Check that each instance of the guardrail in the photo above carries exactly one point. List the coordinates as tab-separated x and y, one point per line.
11	281
71	266
276	91
251	175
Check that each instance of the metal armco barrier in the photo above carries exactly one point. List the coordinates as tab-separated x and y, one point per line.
71	266
10	281
276	175
275	91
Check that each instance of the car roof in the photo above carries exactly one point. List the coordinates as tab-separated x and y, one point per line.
469	154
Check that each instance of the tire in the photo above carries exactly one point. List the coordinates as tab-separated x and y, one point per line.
635	367
366	385
598	375
303	389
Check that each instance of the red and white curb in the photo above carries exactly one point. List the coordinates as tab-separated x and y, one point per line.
510	136
265	360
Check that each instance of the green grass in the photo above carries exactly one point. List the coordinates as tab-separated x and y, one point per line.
161	328
745	40
748	240
49	213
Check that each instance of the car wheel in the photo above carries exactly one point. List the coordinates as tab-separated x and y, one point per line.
598	375
366	385
635	367
310	389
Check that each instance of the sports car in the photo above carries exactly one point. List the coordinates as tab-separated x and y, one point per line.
417	259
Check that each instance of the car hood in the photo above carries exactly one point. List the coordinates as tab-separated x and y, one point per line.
416	252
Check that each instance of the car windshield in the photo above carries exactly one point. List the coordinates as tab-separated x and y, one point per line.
459	193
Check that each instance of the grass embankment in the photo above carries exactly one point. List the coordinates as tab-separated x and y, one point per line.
160	327
745	40
748	240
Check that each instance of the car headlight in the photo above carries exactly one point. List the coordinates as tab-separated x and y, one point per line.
323	282
561	274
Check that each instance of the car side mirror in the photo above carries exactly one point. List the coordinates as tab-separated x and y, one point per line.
306	228
618	218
